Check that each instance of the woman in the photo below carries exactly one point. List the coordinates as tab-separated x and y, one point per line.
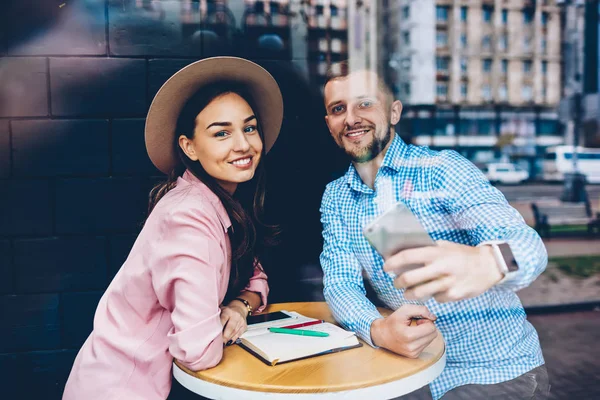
193	274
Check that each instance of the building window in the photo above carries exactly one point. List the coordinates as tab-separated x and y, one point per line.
487	14
544	18
406	64
504	66
504	17
527	66
544	45
544	93
406	12
486	42
526	43
463	40
463	13
526	92
487	65
463	90
441	13
528	15
406	88
503	42
442	90
442	63
406	38
544	67
464	63
334	11
486	92
502	93
441	39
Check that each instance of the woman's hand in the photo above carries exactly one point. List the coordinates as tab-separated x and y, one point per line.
233	319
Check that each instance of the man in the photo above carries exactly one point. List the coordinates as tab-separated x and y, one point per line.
467	281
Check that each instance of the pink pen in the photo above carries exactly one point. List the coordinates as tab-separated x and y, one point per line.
303	324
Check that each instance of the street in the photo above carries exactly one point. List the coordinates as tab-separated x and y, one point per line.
541	191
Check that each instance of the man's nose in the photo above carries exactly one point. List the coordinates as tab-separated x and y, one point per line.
352	117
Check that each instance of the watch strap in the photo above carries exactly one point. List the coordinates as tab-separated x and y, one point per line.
246	303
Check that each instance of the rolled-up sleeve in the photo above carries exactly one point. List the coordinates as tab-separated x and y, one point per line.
185	275
258	284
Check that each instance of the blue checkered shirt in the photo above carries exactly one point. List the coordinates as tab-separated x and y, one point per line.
488	338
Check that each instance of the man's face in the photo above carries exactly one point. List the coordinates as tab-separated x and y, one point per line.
359	115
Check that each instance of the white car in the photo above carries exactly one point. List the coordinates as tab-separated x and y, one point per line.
505	173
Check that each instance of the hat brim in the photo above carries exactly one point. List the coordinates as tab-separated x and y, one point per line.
164	111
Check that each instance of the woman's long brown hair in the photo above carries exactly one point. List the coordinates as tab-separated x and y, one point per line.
248	234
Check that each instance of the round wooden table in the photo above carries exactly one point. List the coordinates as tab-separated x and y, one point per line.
361	373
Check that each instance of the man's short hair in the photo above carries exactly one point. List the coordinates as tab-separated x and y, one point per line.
341	70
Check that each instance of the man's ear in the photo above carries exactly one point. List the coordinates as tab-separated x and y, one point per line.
188	147
327	122
396	111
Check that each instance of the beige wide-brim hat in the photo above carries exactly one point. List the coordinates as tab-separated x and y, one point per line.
172	96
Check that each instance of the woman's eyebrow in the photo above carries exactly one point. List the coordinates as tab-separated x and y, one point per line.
250	118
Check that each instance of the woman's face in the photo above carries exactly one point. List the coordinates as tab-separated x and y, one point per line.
226	141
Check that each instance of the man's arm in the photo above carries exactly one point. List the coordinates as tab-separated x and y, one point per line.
483	212
344	288
453	271
345	294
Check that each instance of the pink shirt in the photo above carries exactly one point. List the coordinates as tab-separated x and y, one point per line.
163	303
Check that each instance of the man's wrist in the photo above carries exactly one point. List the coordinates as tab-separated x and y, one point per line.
377	332
490	260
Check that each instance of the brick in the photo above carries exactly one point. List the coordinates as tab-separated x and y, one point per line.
217	41
129	155
29	322
35	375
103	205
6	270
4	149
78	311
25	208
24	88
59	264
120	246
160	70
98	86
158	30
78	29
60	147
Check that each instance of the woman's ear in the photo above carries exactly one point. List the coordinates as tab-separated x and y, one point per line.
187	145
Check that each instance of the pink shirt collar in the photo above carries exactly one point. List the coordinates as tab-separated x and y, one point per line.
190	178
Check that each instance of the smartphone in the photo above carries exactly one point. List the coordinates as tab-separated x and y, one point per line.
395	230
268	317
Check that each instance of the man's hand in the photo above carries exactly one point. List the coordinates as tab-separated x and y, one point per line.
450	272
233	319
396	333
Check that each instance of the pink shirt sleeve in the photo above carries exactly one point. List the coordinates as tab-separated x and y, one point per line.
258	284
186	270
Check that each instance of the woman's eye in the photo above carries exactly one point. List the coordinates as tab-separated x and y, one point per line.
221	134
250	129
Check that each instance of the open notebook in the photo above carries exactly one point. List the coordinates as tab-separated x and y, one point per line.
276	348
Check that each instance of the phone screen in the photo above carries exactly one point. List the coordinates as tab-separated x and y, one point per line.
268	317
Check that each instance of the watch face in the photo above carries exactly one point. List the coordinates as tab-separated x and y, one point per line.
508	257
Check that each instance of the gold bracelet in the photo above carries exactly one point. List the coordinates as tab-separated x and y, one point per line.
246	303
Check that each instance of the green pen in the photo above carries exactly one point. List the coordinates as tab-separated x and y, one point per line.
301	332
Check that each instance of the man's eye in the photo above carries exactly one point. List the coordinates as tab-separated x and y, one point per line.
337	109
366	103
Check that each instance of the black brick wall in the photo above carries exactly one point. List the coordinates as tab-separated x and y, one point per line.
75	85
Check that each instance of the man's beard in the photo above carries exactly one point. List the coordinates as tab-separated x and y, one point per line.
370	151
